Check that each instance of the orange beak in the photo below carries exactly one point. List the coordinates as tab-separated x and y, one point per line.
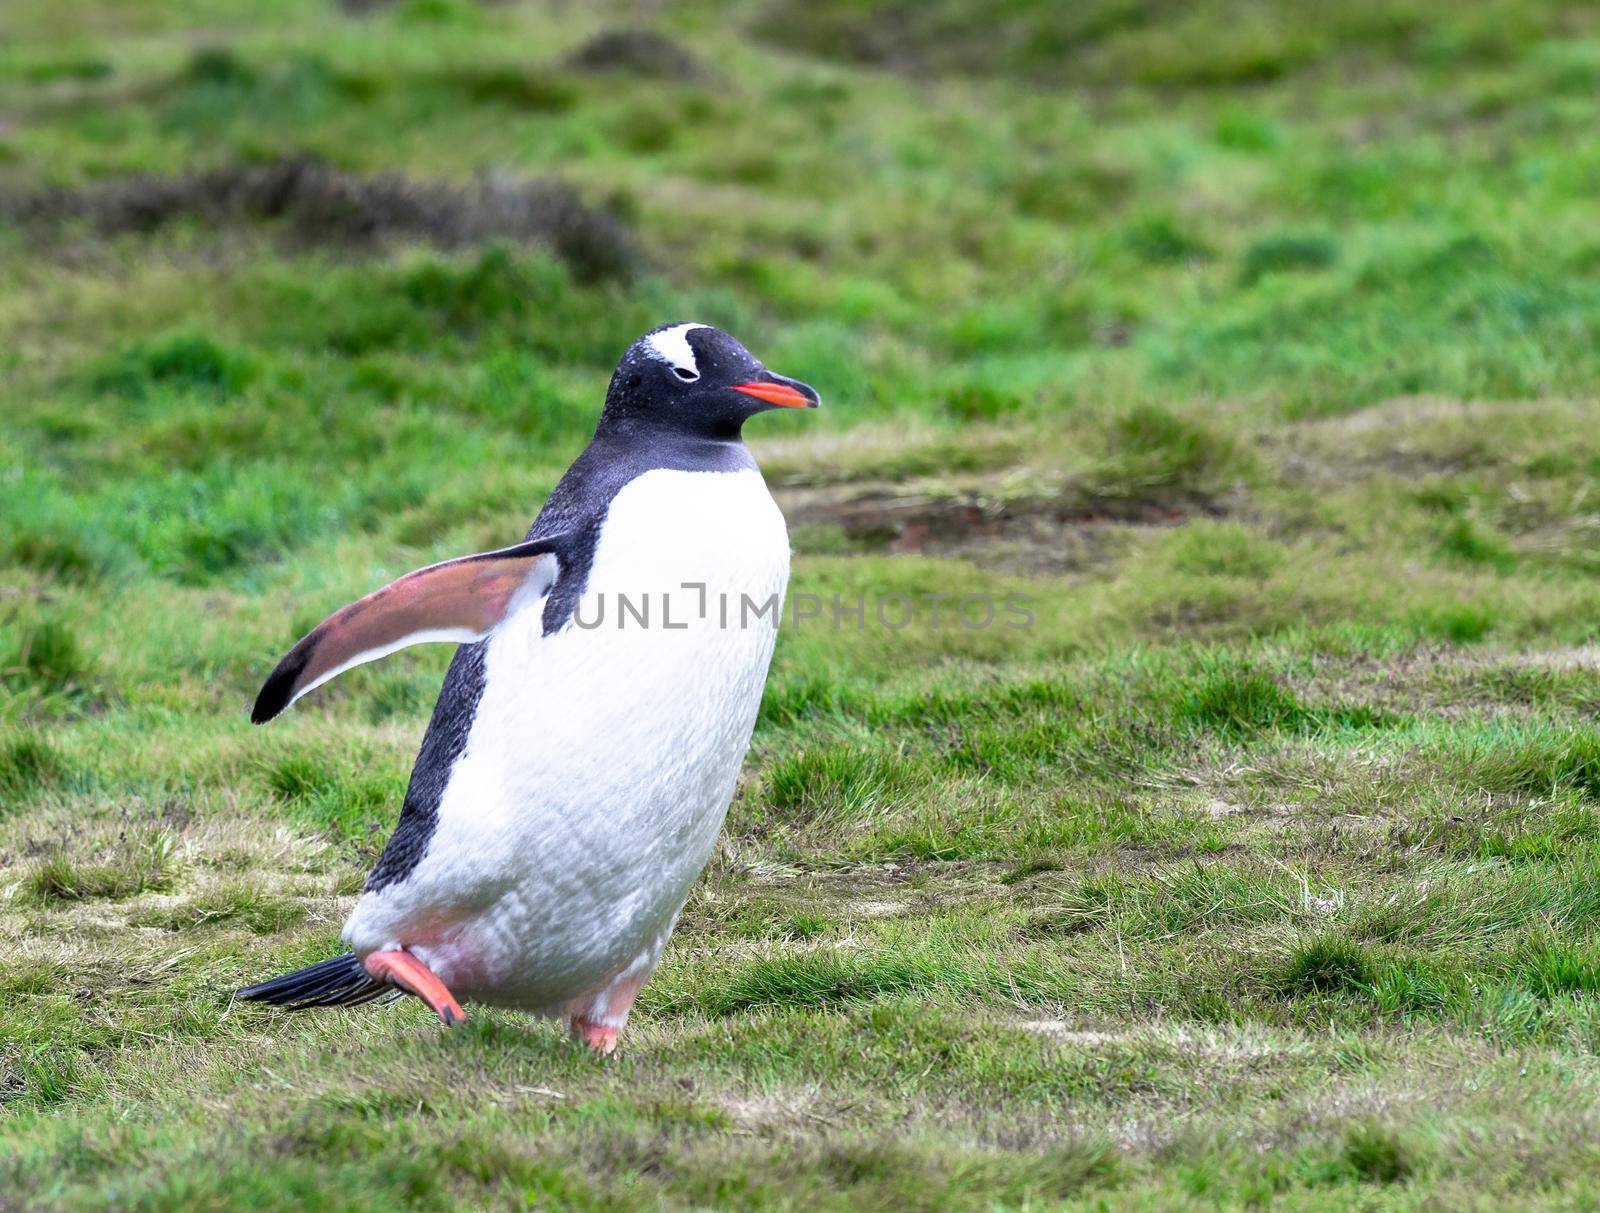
780	394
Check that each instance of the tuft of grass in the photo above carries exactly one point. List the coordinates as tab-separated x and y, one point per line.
1158	239
493	287
1150	448
257	912
1456	622
351	806
836	783
1238	701
1241	129
1464	541
181	360
1241	701
217	67
1371	1153
1539	761
1286	252
44	534
1550	968
1224	550
1330	964
131	867
28	764
516	86
45	654
818	979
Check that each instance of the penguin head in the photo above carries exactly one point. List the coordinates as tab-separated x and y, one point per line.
698	380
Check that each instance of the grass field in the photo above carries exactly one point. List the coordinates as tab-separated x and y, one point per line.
1256	343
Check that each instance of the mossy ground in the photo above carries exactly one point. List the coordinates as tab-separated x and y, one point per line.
1255	345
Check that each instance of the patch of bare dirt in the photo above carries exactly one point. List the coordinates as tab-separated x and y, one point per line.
768	1112
639	53
1580	657
321	205
1057	1029
1029	535
876	909
366	8
1412	437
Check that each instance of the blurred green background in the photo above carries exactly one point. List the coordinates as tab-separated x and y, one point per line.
1256	343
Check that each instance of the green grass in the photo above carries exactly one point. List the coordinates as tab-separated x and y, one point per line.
1255	346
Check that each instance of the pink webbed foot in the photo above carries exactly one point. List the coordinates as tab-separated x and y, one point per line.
598	1016
597	1020
400	968
600	1039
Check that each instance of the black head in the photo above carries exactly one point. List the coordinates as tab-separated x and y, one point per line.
695	379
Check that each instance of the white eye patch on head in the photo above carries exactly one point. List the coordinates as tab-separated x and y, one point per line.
672	347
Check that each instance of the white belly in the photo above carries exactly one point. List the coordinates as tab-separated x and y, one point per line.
601	760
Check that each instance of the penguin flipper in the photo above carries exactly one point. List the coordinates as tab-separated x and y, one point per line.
459	601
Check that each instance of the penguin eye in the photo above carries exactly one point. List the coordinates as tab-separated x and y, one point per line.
685	374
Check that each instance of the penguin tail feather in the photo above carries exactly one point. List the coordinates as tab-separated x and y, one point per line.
337	982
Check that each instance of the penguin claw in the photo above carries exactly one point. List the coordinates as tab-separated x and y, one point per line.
400	968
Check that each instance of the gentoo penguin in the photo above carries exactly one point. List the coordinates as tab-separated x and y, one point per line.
585	745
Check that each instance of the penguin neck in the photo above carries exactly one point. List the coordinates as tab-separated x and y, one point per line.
641	432
624	448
